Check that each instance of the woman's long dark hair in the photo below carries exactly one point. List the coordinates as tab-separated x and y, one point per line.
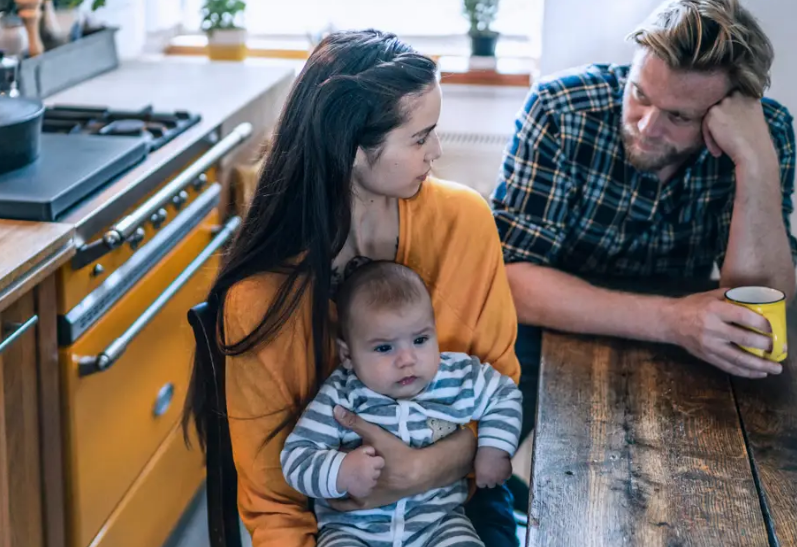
348	96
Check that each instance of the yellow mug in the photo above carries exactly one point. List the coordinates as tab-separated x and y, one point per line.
771	303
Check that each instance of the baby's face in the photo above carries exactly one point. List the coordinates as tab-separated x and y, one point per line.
393	351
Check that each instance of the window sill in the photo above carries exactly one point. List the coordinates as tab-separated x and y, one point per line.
510	68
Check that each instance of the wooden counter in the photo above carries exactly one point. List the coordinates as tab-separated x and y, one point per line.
29	252
641	444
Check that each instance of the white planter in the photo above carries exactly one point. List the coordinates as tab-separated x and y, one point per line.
67	18
227	37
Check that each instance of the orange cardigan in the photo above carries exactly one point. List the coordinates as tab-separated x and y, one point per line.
447	235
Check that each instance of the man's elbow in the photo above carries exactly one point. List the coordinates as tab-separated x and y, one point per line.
522	284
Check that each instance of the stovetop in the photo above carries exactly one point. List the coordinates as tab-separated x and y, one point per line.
82	150
157	128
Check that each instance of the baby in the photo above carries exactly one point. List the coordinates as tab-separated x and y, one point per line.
394	375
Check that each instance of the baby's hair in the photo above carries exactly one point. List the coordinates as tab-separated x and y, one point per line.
384	284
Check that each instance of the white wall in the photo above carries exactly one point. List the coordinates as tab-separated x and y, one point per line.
577	32
779	20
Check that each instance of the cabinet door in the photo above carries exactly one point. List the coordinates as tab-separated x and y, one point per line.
21	522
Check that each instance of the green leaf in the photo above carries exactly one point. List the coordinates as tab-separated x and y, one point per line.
480	13
221	14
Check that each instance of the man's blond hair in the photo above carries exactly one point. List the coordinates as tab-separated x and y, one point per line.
709	35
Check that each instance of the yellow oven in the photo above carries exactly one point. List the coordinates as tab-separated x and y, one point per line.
126	350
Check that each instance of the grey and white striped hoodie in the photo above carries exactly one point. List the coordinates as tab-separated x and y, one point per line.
462	390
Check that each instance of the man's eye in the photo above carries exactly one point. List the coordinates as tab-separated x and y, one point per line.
421	340
383	348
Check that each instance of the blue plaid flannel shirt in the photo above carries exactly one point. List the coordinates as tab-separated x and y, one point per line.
568	198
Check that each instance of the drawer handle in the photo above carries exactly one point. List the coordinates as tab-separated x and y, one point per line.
102	361
164	400
18	330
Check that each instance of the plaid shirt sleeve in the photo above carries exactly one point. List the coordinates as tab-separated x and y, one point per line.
530	202
785	146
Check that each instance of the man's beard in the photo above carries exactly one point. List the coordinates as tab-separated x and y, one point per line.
666	155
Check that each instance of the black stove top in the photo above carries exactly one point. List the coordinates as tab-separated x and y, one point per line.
82	150
157	128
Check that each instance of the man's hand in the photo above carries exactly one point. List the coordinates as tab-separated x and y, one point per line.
493	467
737	127
709	328
359	472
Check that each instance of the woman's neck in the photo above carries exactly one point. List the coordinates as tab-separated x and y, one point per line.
372	217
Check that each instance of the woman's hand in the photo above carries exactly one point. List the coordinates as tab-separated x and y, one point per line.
407	471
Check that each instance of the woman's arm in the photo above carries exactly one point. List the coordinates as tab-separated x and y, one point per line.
408	471
261	388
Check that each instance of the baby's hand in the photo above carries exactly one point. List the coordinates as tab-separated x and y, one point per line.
359	472
492	466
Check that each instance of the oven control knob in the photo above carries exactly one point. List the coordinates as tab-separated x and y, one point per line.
199	182
135	239
158	218
179	200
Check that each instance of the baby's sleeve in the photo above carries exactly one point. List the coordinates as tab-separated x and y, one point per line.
310	458
497	407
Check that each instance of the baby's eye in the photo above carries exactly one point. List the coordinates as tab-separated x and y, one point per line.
383	348
421	340
422	141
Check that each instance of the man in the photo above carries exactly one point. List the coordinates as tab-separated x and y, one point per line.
658	170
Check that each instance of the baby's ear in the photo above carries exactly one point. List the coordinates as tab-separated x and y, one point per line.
343	353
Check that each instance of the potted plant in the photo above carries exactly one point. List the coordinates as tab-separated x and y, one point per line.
480	14
221	21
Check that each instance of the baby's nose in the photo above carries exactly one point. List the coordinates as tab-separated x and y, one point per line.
405	358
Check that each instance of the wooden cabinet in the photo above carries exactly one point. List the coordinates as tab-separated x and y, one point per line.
31	454
31	468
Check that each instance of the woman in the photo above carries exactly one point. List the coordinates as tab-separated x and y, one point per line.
345	182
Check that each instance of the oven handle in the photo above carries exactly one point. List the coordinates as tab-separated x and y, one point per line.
91	364
119	233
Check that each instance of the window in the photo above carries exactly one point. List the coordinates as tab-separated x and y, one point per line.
518	20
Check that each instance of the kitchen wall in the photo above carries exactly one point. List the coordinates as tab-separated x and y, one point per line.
136	19
582	31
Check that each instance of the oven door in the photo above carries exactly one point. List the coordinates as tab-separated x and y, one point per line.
127	371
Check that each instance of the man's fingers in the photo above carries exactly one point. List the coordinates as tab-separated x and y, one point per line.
744	317
747	338
740	372
739	358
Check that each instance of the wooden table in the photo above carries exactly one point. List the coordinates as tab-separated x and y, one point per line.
638	444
